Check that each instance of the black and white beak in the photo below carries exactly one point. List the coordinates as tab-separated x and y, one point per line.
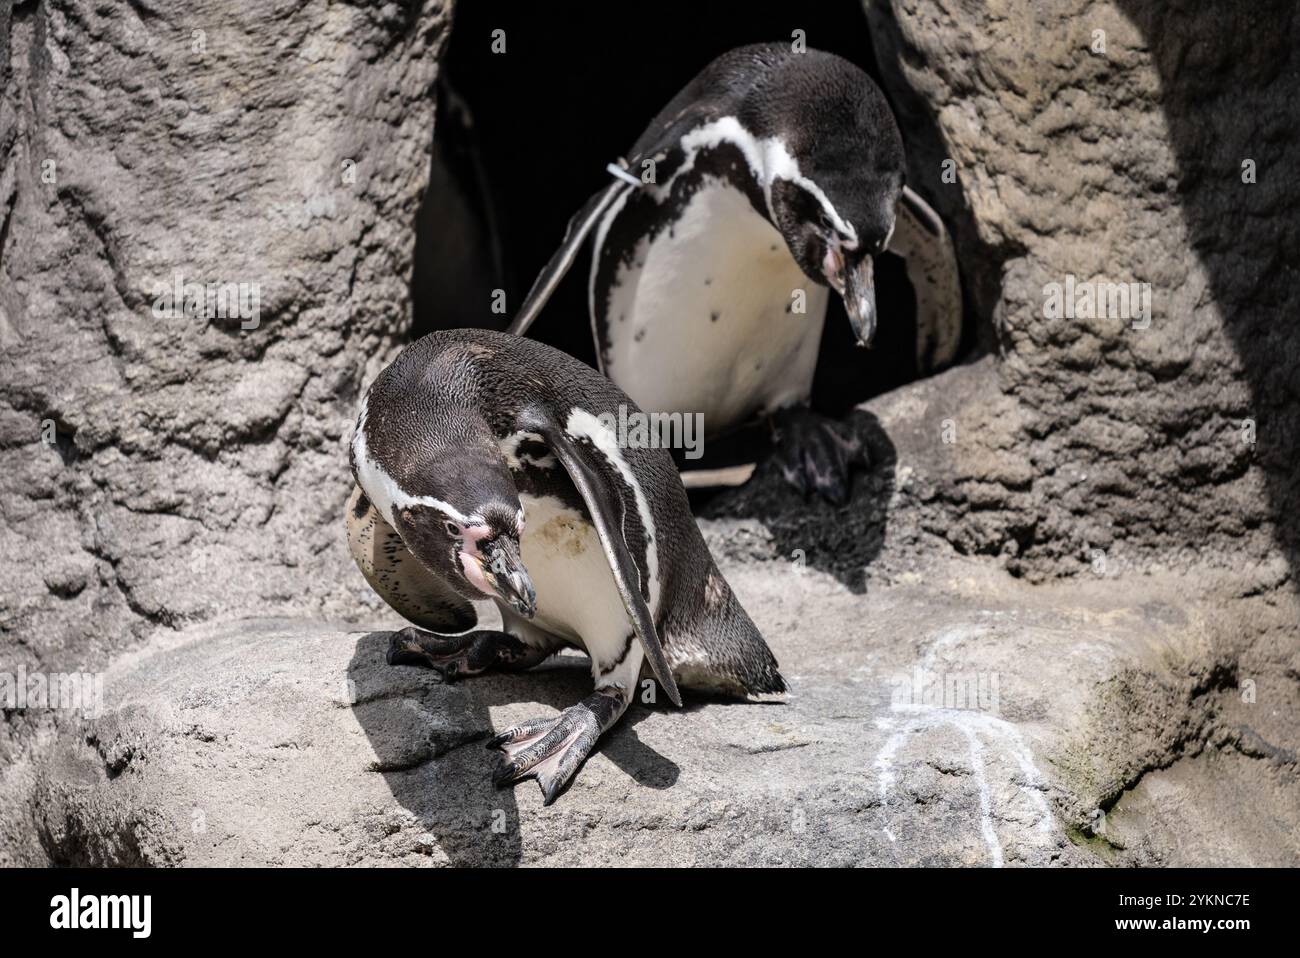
860	300
857	286
504	569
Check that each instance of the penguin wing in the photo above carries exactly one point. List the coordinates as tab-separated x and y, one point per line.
659	144
579	227
608	502
921	239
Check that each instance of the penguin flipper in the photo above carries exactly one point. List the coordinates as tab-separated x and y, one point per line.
607	504
549	278
921	239
659	143
399	579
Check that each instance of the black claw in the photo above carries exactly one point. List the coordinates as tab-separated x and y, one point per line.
505	774
553	750
550	793
401	652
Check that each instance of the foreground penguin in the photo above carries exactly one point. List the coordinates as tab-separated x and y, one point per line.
770	169
486	468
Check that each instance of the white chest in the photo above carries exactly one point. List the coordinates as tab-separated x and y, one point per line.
713	317
577	597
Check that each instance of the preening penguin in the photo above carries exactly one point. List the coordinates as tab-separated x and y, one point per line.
769	170
486	467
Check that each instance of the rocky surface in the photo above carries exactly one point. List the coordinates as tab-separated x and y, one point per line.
951	716
158	468
1109	141
195	465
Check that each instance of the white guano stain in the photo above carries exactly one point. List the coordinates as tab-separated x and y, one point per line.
982	731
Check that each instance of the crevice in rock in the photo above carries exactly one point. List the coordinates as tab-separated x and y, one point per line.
1197	730
1246	741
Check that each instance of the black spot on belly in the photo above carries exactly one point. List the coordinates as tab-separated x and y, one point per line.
640	334
713	317
708	281
362	506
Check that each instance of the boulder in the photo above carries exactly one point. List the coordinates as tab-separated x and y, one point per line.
158	465
1078	144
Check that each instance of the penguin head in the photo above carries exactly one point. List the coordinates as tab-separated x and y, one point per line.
477	552
424	456
835	204
457	510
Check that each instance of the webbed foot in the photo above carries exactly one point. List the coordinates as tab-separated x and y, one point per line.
458	656
816	454
552	750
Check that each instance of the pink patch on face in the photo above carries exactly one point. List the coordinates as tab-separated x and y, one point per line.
833	267
473	535
474	573
470	557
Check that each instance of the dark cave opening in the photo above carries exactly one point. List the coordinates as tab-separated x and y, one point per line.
522	139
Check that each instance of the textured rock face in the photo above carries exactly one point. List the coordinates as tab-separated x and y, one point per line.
1106	141
198	465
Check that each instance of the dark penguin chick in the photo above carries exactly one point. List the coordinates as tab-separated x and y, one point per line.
490	467
773	177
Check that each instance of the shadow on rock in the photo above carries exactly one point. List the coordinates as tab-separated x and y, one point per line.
1230	94
622	746
839	540
428	738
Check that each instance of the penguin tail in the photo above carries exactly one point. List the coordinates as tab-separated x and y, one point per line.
725	653
772	683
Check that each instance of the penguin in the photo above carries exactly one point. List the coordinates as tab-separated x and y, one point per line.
489	466
773	178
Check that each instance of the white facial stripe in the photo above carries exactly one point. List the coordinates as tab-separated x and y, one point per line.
768	160
583	425
382	489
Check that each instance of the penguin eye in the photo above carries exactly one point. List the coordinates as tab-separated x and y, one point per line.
453	530
827	225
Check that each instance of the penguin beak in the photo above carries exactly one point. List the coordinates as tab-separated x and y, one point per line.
504	569
860	300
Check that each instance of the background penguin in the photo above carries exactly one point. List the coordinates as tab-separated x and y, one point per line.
771	168
484	470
